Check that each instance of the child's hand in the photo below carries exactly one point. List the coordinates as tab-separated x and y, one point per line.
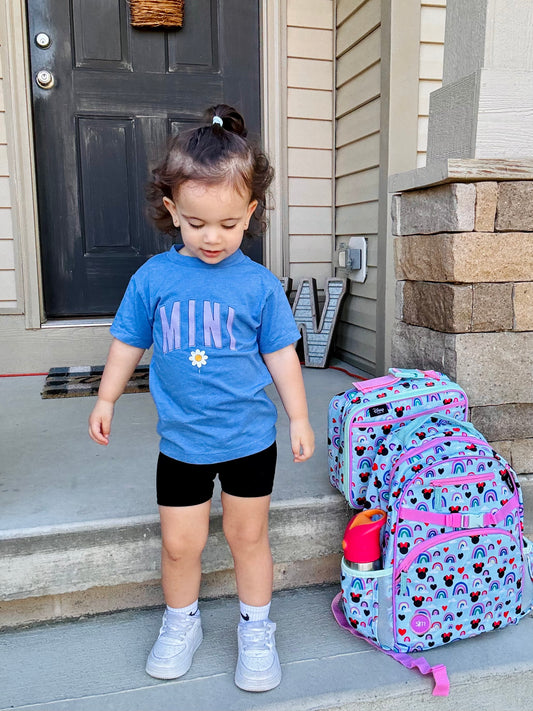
302	439
100	421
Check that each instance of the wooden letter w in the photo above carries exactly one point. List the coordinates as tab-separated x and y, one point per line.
317	337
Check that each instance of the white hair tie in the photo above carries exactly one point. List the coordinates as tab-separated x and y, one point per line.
217	119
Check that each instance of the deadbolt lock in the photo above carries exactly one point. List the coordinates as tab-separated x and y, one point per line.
45	79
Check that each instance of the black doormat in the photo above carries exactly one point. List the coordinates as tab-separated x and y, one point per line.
84	381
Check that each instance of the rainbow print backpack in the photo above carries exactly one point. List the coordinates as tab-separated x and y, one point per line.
361	419
455	562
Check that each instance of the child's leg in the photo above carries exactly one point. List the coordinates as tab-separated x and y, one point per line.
245	522
184	531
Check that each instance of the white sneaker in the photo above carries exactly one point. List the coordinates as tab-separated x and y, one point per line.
172	653
258	667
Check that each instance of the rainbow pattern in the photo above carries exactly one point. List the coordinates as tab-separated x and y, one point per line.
440	582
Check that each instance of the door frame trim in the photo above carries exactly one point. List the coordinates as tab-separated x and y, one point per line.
21	155
19	127
274	112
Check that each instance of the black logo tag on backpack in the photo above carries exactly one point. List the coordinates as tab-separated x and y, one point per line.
377	410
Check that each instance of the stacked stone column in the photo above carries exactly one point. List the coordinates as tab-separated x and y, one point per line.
464	264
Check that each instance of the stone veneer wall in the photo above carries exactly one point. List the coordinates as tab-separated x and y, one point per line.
464	264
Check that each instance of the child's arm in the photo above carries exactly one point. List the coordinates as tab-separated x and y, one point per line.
121	362
286	373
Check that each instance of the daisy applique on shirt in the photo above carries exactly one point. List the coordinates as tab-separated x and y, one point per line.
198	358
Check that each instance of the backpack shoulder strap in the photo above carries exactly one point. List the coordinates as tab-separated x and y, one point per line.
440	675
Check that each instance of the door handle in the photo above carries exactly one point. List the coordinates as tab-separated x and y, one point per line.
45	79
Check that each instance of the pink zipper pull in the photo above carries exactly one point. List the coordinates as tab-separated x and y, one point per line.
432	374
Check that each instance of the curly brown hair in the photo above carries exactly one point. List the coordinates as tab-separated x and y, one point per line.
217	153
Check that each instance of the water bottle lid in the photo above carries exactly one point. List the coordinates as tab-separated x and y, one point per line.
361	543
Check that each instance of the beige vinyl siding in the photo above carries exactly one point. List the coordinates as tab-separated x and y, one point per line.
432	24
357	142
8	287
310	83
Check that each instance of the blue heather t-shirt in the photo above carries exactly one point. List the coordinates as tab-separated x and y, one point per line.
209	325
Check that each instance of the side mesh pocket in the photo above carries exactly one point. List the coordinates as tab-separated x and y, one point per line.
366	599
527	584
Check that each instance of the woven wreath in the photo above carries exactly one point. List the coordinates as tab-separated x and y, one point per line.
156	13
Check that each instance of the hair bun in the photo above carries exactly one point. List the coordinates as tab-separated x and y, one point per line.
231	119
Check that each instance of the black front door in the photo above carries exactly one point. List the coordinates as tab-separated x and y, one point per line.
116	95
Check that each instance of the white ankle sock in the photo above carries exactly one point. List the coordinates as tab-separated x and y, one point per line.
191	610
249	613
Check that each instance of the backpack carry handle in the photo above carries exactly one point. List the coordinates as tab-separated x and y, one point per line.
368	386
414	373
395	375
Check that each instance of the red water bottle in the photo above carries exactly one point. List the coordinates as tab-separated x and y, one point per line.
361	542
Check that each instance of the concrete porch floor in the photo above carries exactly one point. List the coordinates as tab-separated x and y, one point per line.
52	475
97	664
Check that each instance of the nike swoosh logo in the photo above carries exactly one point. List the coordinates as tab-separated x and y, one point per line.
246	618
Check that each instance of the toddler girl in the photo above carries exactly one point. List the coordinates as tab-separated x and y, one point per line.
221	329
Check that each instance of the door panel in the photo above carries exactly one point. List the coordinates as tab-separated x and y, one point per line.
107	166
118	94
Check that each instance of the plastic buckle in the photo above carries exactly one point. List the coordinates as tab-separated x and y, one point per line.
473	520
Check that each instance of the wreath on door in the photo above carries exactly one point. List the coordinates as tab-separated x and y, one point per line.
156	13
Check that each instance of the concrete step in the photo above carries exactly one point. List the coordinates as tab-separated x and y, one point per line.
97	664
66	571
79	528
60	572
